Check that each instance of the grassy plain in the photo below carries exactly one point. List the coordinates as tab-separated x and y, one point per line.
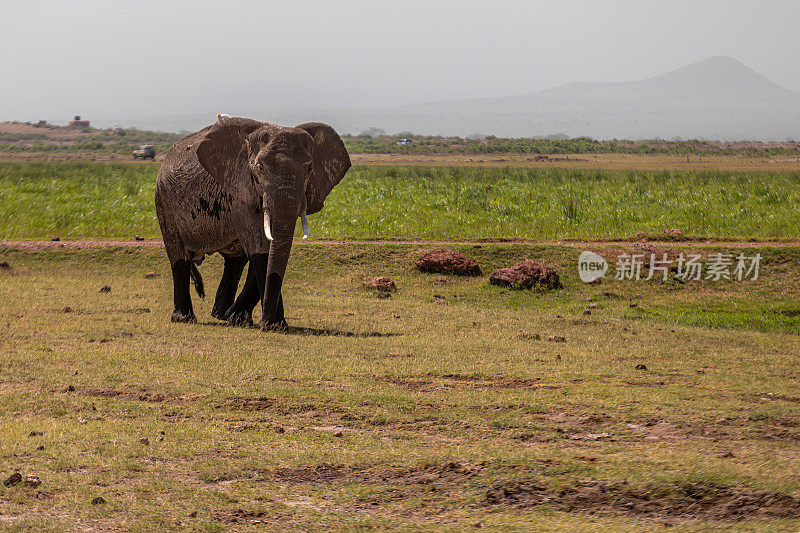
113	200
399	413
668	406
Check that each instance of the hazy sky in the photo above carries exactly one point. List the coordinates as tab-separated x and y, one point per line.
123	58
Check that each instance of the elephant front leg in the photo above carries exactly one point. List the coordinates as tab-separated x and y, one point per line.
183	301
273	290
265	274
279	317
241	312
226	293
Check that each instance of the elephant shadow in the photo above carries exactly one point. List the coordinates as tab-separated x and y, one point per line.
316	332
332	332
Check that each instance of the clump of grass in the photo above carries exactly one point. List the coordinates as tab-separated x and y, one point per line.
571	210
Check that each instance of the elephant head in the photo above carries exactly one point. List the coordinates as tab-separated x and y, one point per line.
287	172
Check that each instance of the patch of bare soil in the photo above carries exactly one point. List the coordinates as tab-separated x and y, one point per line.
596	426
451	472
778	398
673	234
240	516
388	355
658	430
284	520
322	473
695	242
247	403
281	407
141	394
675	500
451	381
779	434
573	420
643	383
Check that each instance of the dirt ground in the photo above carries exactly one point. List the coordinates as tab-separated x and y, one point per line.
571	161
640	243
591	161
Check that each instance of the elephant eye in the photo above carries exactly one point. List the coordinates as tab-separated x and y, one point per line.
259	167
310	168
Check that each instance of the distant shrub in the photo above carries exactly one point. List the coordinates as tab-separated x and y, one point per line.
88	144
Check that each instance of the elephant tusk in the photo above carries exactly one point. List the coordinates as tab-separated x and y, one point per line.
267	222
304	219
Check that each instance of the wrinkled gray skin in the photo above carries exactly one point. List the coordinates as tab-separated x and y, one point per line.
212	193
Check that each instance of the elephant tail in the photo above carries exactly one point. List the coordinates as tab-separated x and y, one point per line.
198	280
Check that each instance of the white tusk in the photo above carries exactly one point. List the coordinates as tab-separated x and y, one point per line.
267	224
304	219
221	116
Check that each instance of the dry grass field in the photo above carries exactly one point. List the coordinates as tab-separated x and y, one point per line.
668	406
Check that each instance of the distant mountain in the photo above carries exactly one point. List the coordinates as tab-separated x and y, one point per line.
717	98
715	77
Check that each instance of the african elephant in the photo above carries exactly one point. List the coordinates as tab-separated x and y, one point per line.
237	187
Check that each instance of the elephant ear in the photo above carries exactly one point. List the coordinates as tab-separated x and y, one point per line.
223	150
331	161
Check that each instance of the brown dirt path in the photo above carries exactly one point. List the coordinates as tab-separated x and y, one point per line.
704	243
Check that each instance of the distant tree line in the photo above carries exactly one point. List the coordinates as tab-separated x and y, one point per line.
376	141
556	144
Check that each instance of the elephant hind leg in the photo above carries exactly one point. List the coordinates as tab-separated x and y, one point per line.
181	272
226	293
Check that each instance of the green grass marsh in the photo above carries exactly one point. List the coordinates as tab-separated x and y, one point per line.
115	200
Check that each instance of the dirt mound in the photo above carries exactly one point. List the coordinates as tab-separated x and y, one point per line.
382	284
443	261
687	500
526	275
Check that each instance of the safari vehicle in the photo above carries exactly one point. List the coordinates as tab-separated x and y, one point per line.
145	151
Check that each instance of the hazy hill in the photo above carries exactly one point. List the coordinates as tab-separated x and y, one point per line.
717	98
719	77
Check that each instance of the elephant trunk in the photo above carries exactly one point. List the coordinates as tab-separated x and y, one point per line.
279	223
